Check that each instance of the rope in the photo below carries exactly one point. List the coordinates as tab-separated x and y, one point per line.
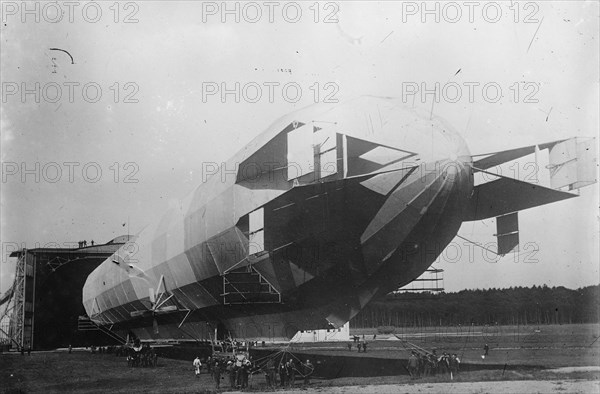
465	345
261	362
412	346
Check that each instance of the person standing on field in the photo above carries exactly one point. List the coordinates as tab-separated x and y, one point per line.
413	365
197	365
216	371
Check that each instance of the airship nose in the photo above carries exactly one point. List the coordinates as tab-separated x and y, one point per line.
450	161
436	191
451	147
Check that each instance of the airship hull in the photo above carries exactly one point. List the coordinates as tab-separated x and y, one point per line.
327	209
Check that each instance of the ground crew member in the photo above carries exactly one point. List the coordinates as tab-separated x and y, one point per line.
421	367
245	371
308	370
486	349
453	364
217	374
413	364
291	372
230	370
282	373
197	365
434	363
427	365
209	364
237	367
443	363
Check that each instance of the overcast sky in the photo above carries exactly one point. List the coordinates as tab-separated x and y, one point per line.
151	143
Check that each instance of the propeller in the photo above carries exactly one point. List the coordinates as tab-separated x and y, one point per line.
158	300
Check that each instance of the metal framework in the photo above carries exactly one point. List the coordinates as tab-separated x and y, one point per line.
18	303
56	262
247	286
85	324
431	280
18	329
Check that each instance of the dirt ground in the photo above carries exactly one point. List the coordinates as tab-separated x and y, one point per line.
83	372
545	359
504	387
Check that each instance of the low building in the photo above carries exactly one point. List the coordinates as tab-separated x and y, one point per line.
341	334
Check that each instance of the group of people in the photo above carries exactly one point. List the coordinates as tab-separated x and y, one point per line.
100	349
83	244
238	371
199	364
430	364
359	345
287	372
142	357
356	338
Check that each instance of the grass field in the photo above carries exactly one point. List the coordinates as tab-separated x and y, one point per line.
566	335
555	348
59	372
548	346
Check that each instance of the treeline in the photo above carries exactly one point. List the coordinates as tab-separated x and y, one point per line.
516	305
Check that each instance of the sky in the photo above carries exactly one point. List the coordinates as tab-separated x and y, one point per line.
122	131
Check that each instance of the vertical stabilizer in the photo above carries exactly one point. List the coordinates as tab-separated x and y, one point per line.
573	163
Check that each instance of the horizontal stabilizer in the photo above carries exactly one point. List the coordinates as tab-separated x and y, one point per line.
506	195
497	158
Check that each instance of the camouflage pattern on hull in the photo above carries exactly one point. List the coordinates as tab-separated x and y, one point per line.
328	208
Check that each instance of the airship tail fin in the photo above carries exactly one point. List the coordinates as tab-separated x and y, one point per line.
572	164
506	195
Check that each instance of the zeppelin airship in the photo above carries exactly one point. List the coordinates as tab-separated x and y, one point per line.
329	208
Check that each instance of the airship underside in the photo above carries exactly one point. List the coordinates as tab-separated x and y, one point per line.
329	208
